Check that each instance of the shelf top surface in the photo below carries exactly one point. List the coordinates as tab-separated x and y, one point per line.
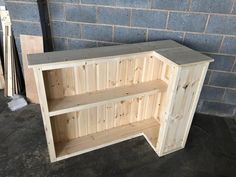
87	100
171	50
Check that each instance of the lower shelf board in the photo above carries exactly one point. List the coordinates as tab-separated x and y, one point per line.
149	128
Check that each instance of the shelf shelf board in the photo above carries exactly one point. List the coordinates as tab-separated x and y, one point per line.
87	100
149	128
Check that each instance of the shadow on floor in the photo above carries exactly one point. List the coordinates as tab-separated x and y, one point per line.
210	151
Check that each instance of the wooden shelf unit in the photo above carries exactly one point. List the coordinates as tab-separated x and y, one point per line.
92	98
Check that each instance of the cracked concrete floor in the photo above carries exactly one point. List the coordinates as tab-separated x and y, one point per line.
210	151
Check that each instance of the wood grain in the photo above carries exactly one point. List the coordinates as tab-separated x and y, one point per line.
84	101
29	45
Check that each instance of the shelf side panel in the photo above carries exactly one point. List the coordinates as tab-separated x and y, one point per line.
185	101
40	83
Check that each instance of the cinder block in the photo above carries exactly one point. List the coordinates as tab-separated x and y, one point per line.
2	3
99	2
223	79
26	28
56	11
21	1
229	45
203	42
212	93
222	24
103	44
65	29
234	9
133	3
222	62
162	35
113	16
171	5
214	6
18	46
59	44
234	68
187	22
230	96
150	19
129	35
80	13
79	44
67	1
23	11
199	106
97	32
219	109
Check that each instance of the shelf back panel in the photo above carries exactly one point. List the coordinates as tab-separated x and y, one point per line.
77	124
99	76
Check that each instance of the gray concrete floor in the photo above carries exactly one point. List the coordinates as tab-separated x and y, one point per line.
210	151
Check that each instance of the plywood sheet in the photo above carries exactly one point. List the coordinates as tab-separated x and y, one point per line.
29	45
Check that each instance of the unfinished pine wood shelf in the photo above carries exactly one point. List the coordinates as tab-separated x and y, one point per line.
82	101
92	98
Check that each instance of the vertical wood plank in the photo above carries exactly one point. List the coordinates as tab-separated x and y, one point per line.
166	107
92	120
101	76
125	112
44	109
122	72
110	114
8	62
140	108
81	79
9	71
91	82
68	81
176	114
150	107
64	127
138	70
53	84
83	122
118	114
71	126
134	110
112	71
130	69
158	68
101	118
156	108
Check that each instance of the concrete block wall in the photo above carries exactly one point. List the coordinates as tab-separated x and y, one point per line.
25	19
208	26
